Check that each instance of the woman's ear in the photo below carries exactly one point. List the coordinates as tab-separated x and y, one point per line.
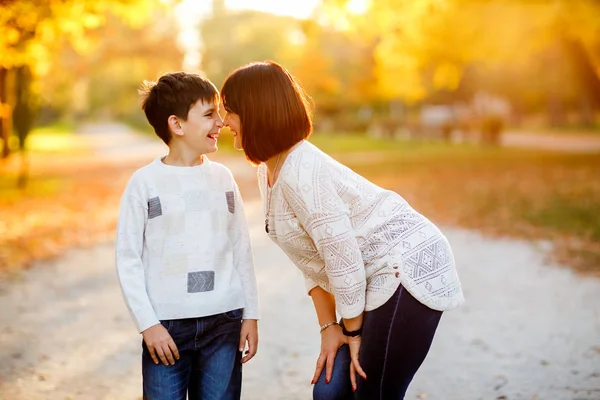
175	125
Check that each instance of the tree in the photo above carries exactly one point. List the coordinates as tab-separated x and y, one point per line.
103	82
32	29
232	39
424	46
335	68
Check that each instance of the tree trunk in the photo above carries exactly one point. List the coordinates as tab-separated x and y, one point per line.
4	115
23	118
23	113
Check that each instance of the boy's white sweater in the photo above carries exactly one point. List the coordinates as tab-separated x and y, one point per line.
182	247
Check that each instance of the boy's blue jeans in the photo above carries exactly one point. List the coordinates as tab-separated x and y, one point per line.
209	367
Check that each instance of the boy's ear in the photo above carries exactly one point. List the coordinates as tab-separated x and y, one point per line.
175	125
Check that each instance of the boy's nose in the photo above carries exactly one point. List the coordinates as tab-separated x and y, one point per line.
220	122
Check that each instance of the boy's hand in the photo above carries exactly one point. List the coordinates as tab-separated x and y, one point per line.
249	334
160	345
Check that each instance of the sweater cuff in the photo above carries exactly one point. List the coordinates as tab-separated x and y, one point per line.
145	318
351	311
309	284
250	313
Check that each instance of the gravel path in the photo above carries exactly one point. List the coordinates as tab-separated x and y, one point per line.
527	331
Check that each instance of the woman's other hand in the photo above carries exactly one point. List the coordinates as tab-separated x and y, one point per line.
355	368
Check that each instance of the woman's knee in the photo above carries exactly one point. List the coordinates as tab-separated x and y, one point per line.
339	388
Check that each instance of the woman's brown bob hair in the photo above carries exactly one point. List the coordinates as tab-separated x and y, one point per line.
272	106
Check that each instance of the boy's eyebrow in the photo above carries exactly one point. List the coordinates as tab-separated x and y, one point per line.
211	109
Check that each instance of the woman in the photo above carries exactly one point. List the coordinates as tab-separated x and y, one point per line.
364	252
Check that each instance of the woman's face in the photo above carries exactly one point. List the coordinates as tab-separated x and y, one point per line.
232	121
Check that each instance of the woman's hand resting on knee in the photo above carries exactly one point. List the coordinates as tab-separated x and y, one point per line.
332	338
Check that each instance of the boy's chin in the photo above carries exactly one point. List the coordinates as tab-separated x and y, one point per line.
213	149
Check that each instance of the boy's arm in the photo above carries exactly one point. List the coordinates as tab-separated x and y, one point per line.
243	259
130	269
244	263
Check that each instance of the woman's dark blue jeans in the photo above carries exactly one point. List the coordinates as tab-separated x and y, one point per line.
395	340
209	367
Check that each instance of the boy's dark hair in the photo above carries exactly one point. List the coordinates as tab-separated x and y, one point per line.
272	106
174	94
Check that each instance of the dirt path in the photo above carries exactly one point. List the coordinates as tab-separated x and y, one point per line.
527	331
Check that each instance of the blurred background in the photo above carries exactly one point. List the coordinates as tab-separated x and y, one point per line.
482	114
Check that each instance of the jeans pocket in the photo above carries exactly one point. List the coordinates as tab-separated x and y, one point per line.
234	315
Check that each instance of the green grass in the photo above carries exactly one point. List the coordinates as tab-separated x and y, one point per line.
56	138
576	216
58	128
391	152
349	143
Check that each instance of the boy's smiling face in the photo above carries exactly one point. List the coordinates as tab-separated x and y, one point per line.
201	130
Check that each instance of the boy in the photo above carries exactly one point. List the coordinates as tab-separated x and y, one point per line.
183	252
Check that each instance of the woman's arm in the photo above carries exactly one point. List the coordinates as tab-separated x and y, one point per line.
324	303
312	195
353	324
243	259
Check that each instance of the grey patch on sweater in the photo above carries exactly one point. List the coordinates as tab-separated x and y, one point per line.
230	201
154	208
201	281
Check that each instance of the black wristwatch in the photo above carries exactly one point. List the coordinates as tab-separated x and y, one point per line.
355	333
